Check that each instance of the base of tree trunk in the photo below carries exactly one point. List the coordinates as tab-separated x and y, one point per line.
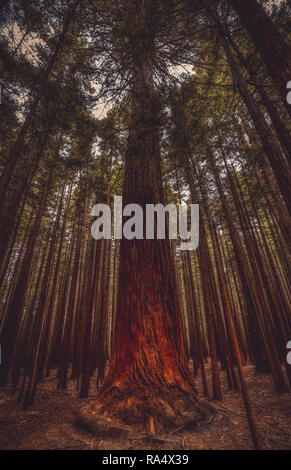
118	412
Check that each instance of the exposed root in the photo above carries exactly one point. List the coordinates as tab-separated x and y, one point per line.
99	426
152	425
147	416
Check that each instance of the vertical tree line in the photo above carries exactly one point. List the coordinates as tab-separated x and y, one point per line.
139	319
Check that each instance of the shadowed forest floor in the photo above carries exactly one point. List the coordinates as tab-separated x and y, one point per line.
49	423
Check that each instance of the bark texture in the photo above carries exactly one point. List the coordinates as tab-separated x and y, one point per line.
148	384
273	49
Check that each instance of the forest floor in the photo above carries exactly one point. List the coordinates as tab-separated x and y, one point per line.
49	423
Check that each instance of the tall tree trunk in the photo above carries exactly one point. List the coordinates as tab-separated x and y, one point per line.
279	125
273	49
11	209
13	315
148	383
261	347
276	204
272	150
208	288
16	149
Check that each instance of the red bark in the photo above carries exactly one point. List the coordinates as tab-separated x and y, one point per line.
148	383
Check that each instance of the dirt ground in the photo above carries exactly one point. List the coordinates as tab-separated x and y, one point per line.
49	423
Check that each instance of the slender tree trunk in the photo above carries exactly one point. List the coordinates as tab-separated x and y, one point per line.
273	152
281	129
197	329
11	324
208	294
276	204
11	209
16	149
273	49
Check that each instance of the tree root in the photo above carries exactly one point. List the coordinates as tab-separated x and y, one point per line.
160	423
100	426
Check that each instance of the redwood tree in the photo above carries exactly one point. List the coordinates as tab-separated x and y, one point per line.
148	383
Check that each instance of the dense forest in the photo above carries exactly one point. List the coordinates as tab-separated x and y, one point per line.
160	102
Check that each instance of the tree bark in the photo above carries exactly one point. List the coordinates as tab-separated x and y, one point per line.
13	316
16	149
273	152
273	49
148	383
